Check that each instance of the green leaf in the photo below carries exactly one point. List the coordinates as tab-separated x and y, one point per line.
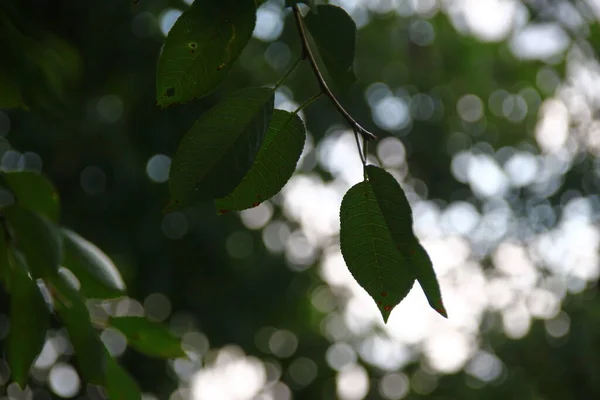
290	3
218	151
35	192
201	48
74	314
369	249
119	384
335	46
4	266
97	274
38	239
397	214
29	320
274	165
150	338
426	276
11	95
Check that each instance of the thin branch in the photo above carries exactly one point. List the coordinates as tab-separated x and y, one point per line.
288	72
307	102
313	63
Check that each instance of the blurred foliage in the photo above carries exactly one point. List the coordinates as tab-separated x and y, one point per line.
82	78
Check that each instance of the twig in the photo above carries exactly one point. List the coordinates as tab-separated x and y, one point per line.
289	71
308	102
313	63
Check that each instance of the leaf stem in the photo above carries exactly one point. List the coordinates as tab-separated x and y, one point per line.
288	72
311	58
307	102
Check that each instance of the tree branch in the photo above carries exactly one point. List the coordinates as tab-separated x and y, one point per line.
313	63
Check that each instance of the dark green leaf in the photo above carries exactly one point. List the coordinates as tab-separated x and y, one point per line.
218	151
35	192
149	337
29	320
4	266
73	312
397	214
11	95
369	249
290	3
274	165
38	239
97	274
201	48
119	384
335	46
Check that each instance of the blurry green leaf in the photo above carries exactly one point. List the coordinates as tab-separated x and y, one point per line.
97	274
335	46
369	249
151	338
35	192
201	48
10	92
274	165
218	151
29	320
73	312
397	214
119	384
38	239
4	266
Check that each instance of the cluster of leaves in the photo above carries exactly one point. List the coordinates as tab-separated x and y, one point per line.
241	152
50	272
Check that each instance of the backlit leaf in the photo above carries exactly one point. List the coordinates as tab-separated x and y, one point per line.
398	217
369	249
29	320
35	192
220	148
150	338
201	48
119	384
38	239
73	312
97	274
274	165
336	47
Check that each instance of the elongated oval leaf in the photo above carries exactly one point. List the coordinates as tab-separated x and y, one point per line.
35	192
38	239
398	217
274	165
336	47
119	384
97	274
218	151
150	338
201	48
29	320
73	312
369	250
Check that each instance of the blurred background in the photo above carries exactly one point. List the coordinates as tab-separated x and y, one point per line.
487	115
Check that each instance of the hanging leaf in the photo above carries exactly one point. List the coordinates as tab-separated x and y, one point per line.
38	239
336	47
35	192
73	312
201	48
274	165
398	217
97	274
29	320
218	151
369	249
119	384
150	338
